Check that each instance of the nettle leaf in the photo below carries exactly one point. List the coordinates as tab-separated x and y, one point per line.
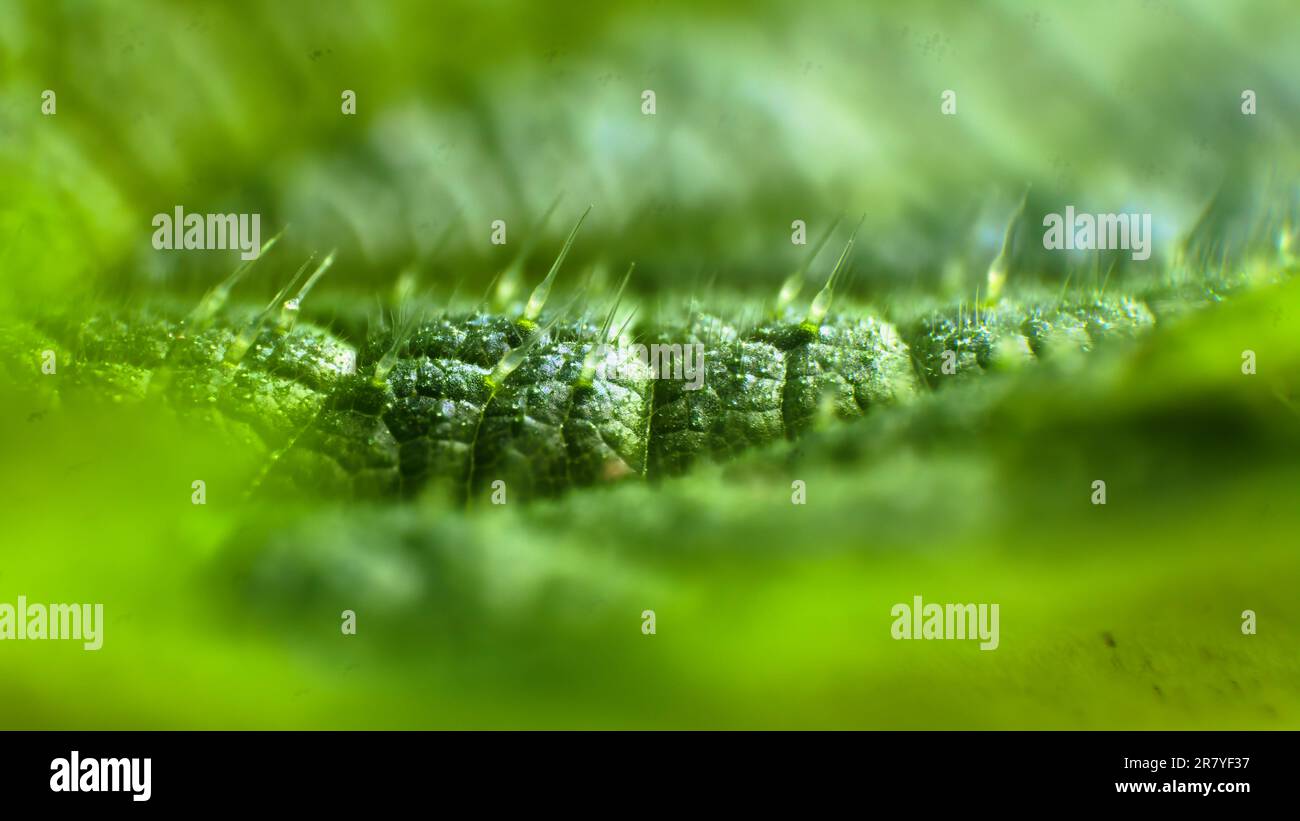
496	510
417	410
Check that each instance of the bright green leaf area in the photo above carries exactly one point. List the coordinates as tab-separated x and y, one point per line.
768	613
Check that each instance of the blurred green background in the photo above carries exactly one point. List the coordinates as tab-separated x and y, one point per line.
769	614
